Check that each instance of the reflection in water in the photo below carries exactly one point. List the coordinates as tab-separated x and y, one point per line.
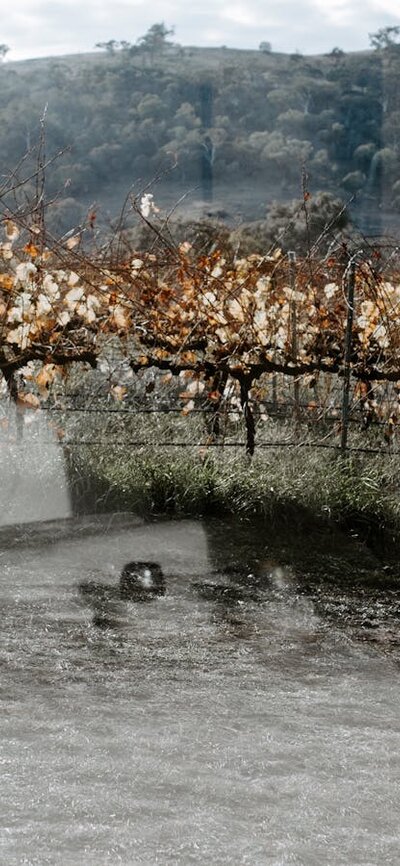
236	719
104	601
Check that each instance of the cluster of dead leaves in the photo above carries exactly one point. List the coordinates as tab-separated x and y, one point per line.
243	317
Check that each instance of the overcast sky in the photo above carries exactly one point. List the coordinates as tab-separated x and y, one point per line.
39	28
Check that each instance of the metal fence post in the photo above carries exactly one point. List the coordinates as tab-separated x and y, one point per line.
350	285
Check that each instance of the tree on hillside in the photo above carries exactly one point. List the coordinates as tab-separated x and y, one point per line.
155	40
385	37
336	52
110	46
295	225
4	49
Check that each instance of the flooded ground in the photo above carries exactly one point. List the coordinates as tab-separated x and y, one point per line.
249	715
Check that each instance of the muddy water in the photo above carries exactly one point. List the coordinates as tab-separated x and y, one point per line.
244	717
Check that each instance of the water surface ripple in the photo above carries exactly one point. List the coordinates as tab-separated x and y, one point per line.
228	722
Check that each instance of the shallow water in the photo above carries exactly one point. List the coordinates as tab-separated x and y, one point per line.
232	721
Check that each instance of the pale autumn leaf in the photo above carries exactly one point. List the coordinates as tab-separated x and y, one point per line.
43	305
218	268
73	297
63	318
209	299
236	310
188	357
161	354
120	316
12	230
136	264
242	266
50	287
23	309
28	371
6	282
86	310
188	408
118	393
72	242
330	290
147	205
222	335
25	271
280	338
73	279
19	336
260	319
31	250
262	338
195	387
6	251
381	336
263	283
28	401
46	377
292	295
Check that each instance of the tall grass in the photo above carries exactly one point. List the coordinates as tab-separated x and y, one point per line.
279	482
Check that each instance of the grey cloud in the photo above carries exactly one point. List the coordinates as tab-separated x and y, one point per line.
43	27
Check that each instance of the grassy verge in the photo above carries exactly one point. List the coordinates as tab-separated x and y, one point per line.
116	462
361	493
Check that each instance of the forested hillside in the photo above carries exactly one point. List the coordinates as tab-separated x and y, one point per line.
221	121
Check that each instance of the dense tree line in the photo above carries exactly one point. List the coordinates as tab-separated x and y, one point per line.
202	115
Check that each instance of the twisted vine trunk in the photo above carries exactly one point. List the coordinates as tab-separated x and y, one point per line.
214	418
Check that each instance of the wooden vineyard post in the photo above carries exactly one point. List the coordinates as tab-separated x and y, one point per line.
293	328
350	284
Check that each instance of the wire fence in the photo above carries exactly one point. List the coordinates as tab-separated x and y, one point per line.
279	425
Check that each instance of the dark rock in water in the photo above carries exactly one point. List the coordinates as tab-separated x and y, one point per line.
141	580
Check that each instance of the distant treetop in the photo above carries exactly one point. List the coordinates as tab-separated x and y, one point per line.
156	36
385	37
